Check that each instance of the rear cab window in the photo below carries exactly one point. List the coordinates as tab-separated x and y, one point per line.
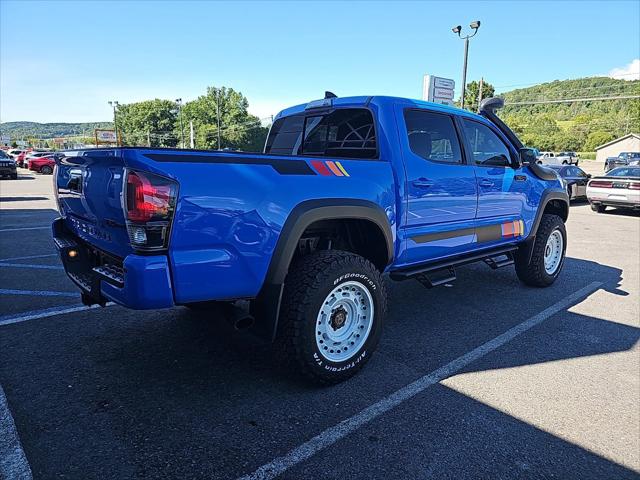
432	136
342	133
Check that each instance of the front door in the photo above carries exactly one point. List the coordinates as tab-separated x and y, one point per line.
502	189
441	190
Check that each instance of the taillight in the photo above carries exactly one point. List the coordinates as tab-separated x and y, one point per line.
600	184
634	186
150	202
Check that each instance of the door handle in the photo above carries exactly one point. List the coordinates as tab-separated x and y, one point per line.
422	183
486	183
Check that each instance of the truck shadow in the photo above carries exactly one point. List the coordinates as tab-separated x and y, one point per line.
168	390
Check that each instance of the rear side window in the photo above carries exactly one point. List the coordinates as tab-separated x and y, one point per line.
486	147
432	136
346	133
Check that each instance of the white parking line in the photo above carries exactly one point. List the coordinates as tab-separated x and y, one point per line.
47	227
30	265
47	312
37	293
333	434
28	257
13	462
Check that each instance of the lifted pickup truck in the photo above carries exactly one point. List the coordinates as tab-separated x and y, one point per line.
347	189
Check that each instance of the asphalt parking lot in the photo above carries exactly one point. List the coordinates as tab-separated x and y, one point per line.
482	379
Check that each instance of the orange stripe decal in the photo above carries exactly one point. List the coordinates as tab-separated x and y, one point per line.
334	169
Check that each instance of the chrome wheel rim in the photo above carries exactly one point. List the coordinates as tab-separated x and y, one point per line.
553	252
344	321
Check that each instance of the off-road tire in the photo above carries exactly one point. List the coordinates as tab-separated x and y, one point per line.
598	208
309	281
531	271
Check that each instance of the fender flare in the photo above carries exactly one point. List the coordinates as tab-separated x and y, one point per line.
526	248
266	307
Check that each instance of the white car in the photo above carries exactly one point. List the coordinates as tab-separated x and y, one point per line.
14	152
620	188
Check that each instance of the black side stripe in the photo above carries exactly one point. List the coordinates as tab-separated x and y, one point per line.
488	233
283	167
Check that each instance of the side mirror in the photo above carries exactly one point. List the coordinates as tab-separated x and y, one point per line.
588	175
527	156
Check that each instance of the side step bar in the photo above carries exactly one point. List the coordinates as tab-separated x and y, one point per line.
440	272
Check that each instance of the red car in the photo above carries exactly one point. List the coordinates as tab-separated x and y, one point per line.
42	164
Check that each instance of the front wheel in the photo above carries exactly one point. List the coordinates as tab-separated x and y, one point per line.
333	308
547	256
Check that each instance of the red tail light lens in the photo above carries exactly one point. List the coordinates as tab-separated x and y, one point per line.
601	184
150	201
634	186
149	197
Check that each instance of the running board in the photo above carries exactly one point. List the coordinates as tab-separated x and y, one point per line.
437	273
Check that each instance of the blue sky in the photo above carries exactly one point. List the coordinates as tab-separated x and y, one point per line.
62	61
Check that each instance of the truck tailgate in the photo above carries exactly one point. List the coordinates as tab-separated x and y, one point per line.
89	189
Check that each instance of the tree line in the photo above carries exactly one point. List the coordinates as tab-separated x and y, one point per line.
220	120
577	126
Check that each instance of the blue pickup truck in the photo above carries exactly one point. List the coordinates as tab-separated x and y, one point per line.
293	242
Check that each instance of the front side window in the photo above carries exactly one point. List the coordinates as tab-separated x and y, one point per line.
345	132
432	136
486	147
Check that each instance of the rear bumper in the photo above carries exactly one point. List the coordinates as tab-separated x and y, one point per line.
138	282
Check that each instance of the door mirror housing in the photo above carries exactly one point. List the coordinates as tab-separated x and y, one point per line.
527	156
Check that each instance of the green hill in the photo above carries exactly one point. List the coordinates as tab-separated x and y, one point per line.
579	126
26	130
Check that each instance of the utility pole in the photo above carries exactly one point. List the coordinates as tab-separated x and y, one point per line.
475	26
192	142
480	92
218	115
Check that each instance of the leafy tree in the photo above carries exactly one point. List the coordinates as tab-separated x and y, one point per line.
238	128
150	121
472	93
595	139
14	144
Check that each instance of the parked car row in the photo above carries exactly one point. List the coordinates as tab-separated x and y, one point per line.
34	160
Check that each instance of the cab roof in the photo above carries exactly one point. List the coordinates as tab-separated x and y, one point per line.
377	100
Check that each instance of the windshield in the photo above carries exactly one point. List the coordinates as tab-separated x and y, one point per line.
624	172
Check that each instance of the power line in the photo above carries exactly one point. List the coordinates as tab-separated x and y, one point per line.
571	100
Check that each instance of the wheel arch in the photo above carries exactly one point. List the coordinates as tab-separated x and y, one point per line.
266	306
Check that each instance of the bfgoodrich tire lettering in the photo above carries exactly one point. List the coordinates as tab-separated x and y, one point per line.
532	271
311	280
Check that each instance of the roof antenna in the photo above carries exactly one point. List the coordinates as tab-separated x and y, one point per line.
329	94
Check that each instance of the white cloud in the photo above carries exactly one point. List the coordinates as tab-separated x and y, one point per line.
628	72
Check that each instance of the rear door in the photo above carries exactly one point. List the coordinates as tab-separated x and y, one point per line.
441	191
502	190
89	190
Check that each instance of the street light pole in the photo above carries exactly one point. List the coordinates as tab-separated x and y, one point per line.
458	29
114	104
179	103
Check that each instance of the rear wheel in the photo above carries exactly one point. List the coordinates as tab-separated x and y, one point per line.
333	309
46	170
547	256
598	208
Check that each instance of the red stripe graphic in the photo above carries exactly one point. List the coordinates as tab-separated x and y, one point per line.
320	167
